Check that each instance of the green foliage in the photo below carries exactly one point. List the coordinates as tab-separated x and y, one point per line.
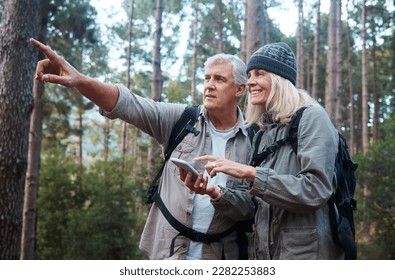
178	91
211	28
56	199
99	216
141	84
143	28
101	229
377	171
72	28
73	32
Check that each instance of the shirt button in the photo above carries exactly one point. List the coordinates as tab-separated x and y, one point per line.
188	213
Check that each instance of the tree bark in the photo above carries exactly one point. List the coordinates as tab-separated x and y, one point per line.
376	102
156	83
339	67
32	177
220	22
317	34
125	137
352	143
299	48
28	242
254	18
365	109
365	113
194	55
20	20
243	52
266	23
330	84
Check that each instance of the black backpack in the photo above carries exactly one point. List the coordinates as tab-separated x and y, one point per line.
342	203
183	126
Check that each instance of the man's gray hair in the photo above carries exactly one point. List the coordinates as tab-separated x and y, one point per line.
239	67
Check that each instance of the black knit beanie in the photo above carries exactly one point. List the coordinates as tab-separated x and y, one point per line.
276	58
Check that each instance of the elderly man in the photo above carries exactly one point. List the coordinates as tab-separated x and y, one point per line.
221	132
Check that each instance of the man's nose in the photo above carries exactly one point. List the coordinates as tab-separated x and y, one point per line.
209	84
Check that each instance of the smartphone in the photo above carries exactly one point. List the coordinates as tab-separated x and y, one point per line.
186	166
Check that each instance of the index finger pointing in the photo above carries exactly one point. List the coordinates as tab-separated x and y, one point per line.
203	158
43	48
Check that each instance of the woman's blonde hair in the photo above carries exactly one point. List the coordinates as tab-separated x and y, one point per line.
283	101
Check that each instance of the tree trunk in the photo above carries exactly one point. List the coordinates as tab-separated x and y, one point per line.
299	48
266	23
376	103
32	176
330	84
243	52
254	17
194	55
352	143
106	141
365	136
156	83
128	63
20	20
339	67
80	135
316	58
365	133
28	242
78	101
220	21
308	71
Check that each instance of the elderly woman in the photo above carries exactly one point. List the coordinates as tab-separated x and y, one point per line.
288	191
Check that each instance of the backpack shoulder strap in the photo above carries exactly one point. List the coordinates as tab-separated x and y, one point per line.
290	136
183	126
293	129
252	131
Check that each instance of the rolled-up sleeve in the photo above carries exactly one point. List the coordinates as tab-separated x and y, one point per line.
154	118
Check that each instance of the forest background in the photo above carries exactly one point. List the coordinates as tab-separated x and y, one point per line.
73	184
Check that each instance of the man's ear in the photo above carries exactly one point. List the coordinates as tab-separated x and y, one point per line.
240	90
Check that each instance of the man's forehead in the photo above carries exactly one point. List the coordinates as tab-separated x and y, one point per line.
220	69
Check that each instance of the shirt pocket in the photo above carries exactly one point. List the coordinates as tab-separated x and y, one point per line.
299	243
187	152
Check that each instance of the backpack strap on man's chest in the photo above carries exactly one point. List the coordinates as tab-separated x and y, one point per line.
184	125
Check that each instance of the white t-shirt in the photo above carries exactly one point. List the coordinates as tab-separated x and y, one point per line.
203	210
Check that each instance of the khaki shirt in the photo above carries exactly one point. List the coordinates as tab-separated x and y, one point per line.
157	119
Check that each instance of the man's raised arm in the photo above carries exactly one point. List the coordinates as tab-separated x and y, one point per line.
55	69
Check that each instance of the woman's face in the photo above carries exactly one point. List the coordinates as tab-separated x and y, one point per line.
259	86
